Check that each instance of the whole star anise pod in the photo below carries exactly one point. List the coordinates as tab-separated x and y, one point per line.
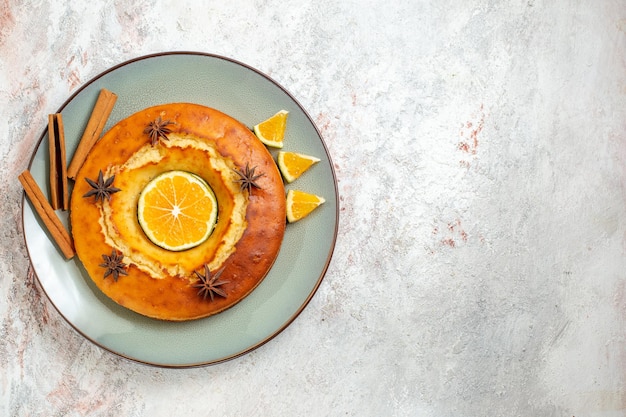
247	178
102	188
158	130
209	284
114	265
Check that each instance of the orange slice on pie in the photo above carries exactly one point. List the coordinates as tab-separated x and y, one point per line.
177	210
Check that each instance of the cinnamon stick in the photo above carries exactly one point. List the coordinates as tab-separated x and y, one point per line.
45	211
91	135
59	195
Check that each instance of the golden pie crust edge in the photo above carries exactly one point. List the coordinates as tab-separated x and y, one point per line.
174	298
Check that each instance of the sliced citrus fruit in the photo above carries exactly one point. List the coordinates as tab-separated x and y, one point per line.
293	164
272	131
301	204
177	210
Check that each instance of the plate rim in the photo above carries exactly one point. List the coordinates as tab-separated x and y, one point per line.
319	280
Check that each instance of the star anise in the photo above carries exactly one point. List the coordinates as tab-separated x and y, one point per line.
114	265
247	178
102	188
157	129
209	284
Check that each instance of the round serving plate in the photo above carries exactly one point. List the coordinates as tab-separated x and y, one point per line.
249	96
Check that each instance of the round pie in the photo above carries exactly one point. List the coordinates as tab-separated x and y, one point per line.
201	279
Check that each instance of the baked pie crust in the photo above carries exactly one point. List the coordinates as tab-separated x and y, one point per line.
247	236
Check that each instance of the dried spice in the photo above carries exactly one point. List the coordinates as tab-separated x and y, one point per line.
158	130
247	179
208	284
114	265
102	188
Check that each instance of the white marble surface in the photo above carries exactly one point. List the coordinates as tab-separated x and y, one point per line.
480	148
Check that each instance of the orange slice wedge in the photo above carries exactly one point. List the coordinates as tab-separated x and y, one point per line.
292	164
301	204
272	130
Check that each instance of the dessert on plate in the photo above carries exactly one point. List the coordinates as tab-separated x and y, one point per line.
178	212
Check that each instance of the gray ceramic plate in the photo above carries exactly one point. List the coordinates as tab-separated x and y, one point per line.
249	96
